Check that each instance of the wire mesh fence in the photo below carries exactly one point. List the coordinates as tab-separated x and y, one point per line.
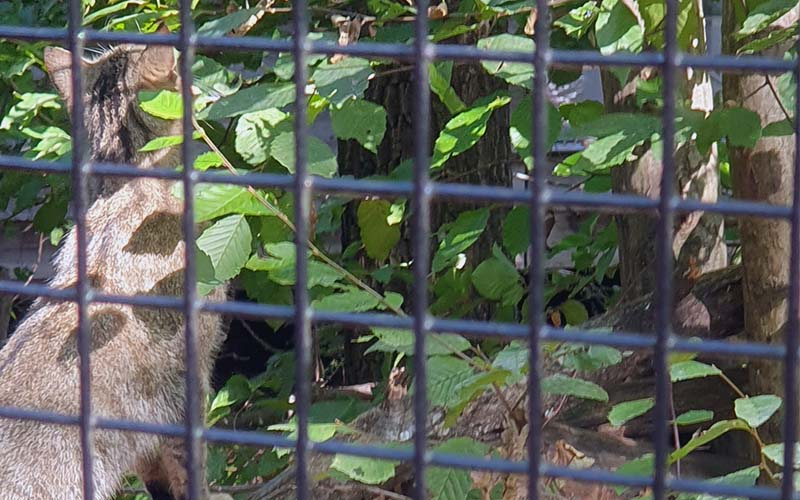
422	190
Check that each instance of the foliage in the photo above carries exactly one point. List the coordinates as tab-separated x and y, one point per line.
246	118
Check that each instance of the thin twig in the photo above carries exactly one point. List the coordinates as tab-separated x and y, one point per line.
780	103
263	7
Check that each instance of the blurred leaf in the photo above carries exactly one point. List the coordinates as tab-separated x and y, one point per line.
757	409
623	412
686	370
255	132
716	430
461	235
514	73
361	120
450	483
342	80
256	98
320	158
617	29
521	130
445	373
164	104
517	230
440	74
693	417
364	470
378	236
567	386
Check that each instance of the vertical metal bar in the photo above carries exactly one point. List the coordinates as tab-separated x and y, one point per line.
194	414
538	200
792	341
664	256
302	205
421	235
80	172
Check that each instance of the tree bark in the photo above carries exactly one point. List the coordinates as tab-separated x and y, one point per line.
698	244
762	173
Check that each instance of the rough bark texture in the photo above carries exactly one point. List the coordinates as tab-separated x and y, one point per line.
698	243
764	174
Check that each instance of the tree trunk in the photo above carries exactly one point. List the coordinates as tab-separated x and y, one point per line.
763	173
698	244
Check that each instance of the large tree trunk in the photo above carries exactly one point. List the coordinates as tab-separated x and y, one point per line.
698	244
763	173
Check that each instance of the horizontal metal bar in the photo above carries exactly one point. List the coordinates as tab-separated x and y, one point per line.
482	329
405	52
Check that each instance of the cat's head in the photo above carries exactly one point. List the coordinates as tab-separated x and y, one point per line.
116	124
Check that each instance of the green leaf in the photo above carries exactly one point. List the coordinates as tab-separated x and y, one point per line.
779	128
693	417
352	300
787	89
236	390
215	200
772	38
566	386
581	113
161	143
342	80
465	129
642	466
449	483
50	215
361	120
618	135
445	373
378	236
209	159
775	453
214	80
28	107
364	470
461	235
521	129
742	478
514	73
715	431
255	131
402	340
741	126
517	230
764	14
321	160
440	74
617	29
222	26
514	358
497	279
574	312
227	243
686	370
578	21
255	98
623	412
757	409
164	104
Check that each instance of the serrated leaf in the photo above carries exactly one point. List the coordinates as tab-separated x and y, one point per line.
352	300
449	483
568	386
461	235
622	412
255	131
514	73
757	409
715	431
227	243
255	98
164	104
445	373
514	358
361	120
686	370
321	160
693	417
364	470
215	200
342	80
465	129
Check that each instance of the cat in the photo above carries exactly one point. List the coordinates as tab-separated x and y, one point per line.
134	246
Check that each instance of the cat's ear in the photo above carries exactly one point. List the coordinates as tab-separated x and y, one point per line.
157	65
58	62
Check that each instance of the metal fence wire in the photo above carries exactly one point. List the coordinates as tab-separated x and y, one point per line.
421	190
